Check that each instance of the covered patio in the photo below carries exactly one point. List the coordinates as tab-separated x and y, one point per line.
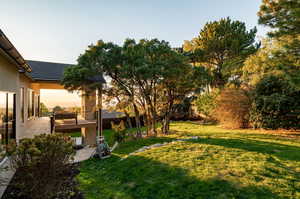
48	75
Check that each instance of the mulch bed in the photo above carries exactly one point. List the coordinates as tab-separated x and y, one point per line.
67	191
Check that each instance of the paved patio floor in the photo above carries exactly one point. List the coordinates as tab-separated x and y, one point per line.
37	126
6	174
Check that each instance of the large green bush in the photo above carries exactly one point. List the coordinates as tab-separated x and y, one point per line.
276	104
41	163
206	103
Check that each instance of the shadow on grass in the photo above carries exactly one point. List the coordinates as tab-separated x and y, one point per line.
284	152
138	177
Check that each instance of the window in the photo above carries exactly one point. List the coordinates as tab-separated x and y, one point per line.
37	106
30	96
22	104
2	124
7	121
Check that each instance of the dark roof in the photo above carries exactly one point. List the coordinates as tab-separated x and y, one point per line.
111	114
49	71
8	48
97	78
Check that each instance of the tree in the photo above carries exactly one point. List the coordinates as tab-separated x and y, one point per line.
275	104
44	111
273	58
281	15
143	63
102	58
118	101
159	74
222	46
177	83
57	109
147	76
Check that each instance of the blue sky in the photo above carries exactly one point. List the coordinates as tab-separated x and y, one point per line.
59	30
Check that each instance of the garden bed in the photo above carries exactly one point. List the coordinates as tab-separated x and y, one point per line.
67	191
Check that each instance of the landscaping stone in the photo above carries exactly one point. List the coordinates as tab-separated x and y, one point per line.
84	154
144	148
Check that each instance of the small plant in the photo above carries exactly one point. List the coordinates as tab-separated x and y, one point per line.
119	131
41	163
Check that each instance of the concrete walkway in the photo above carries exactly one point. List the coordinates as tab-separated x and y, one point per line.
84	154
6	174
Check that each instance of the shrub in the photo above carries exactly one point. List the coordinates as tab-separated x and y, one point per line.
232	108
119	133
41	163
276	104
206	103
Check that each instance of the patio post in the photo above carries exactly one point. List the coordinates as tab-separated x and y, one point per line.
99	116
88	108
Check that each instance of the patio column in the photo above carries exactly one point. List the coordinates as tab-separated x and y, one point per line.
36	88
89	135
88	108
88	105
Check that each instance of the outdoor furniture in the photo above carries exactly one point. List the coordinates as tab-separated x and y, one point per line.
65	115
62	116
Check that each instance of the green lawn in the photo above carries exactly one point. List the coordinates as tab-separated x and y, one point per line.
221	164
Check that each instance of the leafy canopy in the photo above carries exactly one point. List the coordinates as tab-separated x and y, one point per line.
281	15
222	46
273	58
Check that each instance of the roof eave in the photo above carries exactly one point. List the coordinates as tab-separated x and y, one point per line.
7	47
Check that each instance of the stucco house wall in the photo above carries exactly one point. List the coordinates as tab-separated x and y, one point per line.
9	82
12	81
9	75
25	84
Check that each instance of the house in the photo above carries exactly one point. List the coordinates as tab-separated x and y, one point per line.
20	84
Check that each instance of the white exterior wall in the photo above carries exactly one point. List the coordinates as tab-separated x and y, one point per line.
9	82
24	83
12	81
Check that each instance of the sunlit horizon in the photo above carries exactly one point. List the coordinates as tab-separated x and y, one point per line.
63	98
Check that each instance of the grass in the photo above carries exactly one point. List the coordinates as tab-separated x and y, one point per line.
73	134
108	133
222	163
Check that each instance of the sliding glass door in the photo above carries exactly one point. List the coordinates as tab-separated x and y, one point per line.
11	122
7	121
2	124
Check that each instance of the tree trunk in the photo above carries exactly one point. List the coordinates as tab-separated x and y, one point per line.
128	119
137	121
148	123
146	118
167	124
153	123
166	120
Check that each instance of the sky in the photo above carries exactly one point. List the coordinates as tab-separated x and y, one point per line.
60	30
